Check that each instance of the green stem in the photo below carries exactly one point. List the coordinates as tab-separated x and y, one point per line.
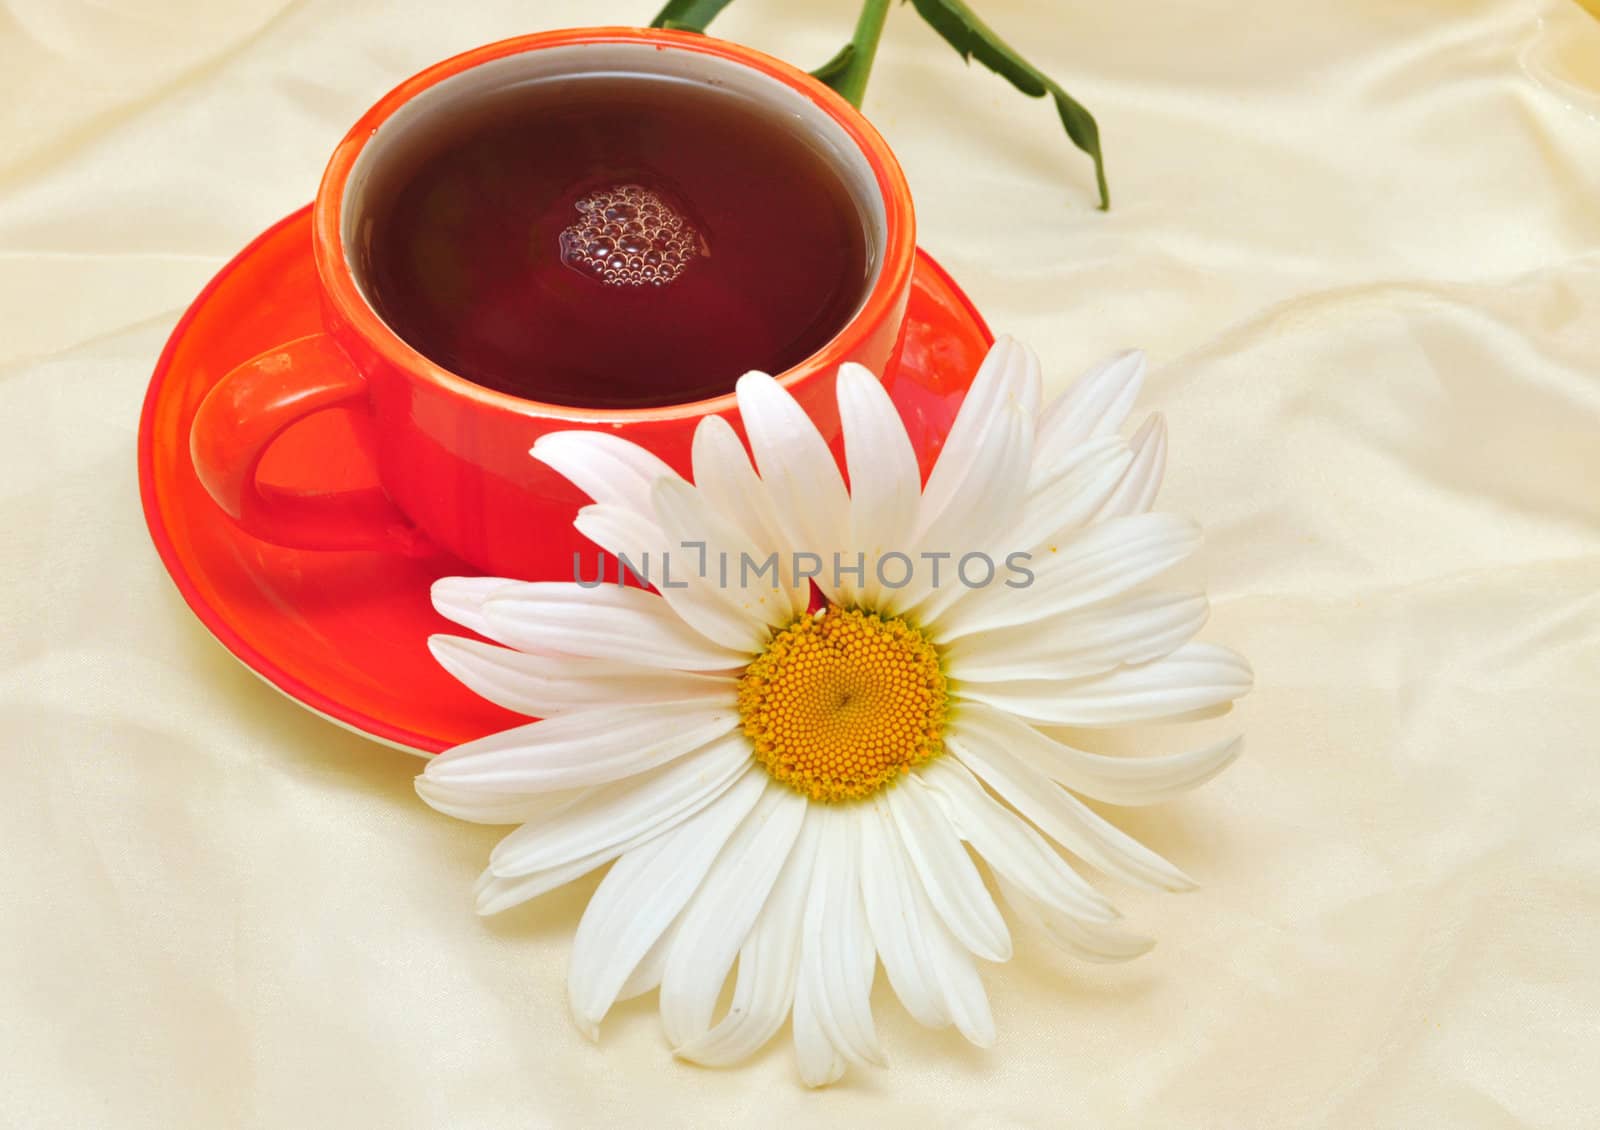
869	27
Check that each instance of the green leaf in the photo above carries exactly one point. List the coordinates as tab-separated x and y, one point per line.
688	15
830	71
960	27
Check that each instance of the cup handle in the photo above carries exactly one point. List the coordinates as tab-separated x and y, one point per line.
251	407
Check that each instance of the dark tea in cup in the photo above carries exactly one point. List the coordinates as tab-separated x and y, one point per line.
614	241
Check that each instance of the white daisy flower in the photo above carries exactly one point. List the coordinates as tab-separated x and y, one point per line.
787	793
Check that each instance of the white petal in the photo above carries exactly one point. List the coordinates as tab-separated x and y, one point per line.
717	921
954	970
1136	492
720	565
948	875
589	747
977	486
723	475
799	472
836	956
819	1061
461	600
729	485
1116	780
956	974
1062	816
885	483
937	981
1010	846
769	964
888	887
543	685
1096	404
976	520
1195	677
608	622
641	895
1050	512
658	558
1073	645
1089	941
623	814
1095	564
634	538
606	467
1007	381
495	894
479	807
647	974
1067	500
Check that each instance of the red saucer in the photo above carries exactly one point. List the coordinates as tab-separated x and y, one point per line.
344	634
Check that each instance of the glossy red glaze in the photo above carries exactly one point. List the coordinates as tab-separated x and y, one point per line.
454	455
246	413
345	633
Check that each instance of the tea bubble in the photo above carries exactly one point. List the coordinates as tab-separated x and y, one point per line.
628	235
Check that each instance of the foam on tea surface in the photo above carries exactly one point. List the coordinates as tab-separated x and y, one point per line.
628	235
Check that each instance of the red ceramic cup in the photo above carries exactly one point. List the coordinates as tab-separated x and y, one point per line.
452	456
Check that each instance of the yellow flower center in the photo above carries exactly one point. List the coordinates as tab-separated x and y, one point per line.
842	703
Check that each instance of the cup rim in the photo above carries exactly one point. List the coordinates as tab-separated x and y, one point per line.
353	309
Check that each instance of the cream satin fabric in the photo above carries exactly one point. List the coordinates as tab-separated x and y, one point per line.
1359	242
